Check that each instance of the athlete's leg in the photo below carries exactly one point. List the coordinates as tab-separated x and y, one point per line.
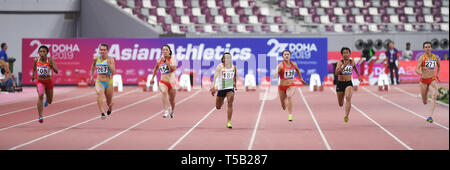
289	93
164	92
230	99
172	93
219	102
340	97
424	92
99	89
109	95
283	97
434	93
49	95
348	99
40	88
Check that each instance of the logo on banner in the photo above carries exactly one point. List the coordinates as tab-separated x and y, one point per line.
298	50
56	51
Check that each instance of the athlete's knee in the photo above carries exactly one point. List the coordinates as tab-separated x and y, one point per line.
41	96
230	104
348	98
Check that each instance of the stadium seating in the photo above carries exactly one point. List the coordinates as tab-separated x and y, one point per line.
293	16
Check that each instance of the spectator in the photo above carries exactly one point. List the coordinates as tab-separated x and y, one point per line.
5	77
392	62
407	55
3	55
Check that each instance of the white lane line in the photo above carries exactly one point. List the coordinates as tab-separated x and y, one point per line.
401	107
190	130
419	96
252	139
376	123
96	117
315	121
137	124
59	101
64	111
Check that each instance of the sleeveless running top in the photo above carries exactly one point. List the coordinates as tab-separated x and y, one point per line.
102	67
164	68
429	63
43	68
287	72
226	78
348	69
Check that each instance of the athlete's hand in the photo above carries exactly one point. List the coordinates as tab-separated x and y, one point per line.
304	82
151	82
437	78
91	79
213	91
360	79
32	79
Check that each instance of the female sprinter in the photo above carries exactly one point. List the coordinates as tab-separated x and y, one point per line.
344	86
425	68
167	66
227	84
44	66
105	69
286	70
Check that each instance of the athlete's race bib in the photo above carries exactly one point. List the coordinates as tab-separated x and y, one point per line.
43	71
227	79
164	69
289	74
348	69
102	69
430	64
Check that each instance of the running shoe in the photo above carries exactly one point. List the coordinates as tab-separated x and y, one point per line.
45	103
41	120
166	114
229	125
346	119
290	118
284	107
103	116
172	113
108	112
430	120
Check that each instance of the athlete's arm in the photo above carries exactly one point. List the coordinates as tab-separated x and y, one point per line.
213	84
298	72
53	65
338	68
34	69
154	73
356	70
419	63
438	63
173	64
93	67
235	75
276	71
112	65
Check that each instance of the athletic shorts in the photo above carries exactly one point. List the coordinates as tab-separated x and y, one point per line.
223	93
427	81
341	85
47	83
284	88
169	86
105	84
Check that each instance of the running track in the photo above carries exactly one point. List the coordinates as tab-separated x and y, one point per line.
393	120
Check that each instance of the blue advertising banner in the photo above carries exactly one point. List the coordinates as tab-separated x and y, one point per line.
258	56
135	58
